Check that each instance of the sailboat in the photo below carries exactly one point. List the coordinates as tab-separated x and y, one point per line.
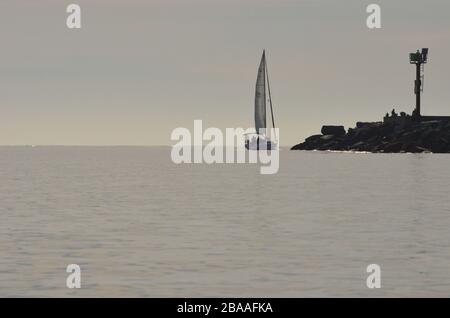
259	140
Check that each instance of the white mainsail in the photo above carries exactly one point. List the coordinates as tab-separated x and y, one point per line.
260	97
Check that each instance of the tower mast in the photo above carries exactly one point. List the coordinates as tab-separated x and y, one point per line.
419	59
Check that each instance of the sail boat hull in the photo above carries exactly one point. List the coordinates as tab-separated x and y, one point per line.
260	143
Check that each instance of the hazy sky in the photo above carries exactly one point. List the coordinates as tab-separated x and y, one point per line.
138	69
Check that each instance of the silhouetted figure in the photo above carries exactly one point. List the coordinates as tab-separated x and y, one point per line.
393	113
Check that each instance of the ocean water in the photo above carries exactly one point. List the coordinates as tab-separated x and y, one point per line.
141	226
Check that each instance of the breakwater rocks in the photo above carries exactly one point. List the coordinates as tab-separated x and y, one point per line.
402	134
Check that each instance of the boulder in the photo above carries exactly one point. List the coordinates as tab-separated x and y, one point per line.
312	138
299	147
333	130
327	137
366	133
362	124
411	147
359	146
393	147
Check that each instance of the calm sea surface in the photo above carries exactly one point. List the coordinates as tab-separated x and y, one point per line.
139	225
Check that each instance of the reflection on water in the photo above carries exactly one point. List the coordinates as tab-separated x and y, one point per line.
139	225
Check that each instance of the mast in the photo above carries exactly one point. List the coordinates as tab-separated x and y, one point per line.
418	84
270	98
419	59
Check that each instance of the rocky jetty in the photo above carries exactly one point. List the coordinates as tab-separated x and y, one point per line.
395	134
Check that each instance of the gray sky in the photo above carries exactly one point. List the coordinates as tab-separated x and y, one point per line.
138	69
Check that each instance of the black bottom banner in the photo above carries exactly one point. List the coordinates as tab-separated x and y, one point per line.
211	307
